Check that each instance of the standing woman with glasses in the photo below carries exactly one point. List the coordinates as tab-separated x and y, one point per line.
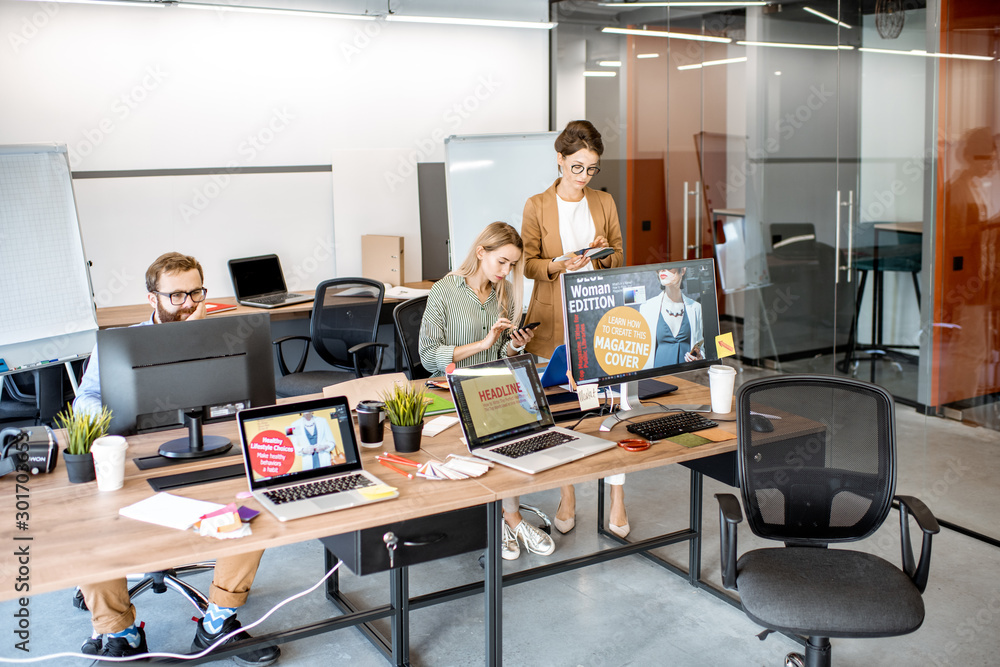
567	217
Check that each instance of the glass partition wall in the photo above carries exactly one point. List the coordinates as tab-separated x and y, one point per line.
838	160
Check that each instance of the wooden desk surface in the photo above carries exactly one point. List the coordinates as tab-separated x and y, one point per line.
907	227
507	482
124	316
77	535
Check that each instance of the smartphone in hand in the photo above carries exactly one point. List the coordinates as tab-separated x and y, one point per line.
527	327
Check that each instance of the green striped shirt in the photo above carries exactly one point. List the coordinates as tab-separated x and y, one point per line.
454	317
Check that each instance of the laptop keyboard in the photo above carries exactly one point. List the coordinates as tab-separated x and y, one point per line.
665	427
516	450
323	487
270	300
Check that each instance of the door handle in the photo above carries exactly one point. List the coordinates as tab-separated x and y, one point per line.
697	213
850	233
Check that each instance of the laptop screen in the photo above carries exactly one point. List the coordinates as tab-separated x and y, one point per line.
500	400
283	444
256	276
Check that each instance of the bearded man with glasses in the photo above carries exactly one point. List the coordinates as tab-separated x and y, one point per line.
176	292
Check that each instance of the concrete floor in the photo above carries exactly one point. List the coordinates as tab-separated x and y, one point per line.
629	611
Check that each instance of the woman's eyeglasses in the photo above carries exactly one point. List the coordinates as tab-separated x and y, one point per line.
591	171
178	298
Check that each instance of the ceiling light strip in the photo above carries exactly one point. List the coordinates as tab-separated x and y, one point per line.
789	45
710	63
827	17
924	54
598	73
705	3
669	35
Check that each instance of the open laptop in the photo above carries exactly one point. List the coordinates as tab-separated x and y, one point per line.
259	282
506	418
302	459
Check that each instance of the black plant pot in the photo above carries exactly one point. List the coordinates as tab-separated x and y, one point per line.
406	439
79	467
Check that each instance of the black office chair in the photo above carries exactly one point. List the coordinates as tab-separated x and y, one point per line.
408	316
817	466
342	330
161	580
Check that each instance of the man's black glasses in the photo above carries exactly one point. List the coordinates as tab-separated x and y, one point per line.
178	298
591	171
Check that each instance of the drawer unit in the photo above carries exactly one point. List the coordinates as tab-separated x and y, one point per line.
417	540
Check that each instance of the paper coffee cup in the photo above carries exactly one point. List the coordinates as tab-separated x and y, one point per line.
109	462
721	381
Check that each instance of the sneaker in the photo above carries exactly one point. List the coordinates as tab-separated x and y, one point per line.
258	657
534	540
510	550
118	647
93	645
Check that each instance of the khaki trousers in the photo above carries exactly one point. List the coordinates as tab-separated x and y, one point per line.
111	610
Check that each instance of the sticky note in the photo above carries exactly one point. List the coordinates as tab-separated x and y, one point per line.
3	366
377	491
724	345
587	393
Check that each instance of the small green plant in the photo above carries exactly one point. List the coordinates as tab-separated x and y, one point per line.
404	404
82	428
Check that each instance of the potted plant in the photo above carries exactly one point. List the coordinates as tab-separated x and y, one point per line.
82	428
405	406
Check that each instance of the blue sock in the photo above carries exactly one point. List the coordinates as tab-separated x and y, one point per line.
130	634
215	617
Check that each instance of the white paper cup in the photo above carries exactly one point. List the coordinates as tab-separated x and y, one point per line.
109	462
721	381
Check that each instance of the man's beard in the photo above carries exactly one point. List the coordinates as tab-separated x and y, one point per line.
166	316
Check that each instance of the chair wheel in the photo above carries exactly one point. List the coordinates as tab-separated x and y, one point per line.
794	660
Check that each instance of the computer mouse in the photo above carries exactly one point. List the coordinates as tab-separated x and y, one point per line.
760	424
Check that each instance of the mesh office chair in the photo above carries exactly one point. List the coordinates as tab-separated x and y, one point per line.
817	466
408	316
342	330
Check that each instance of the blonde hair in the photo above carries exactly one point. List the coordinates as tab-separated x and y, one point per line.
495	236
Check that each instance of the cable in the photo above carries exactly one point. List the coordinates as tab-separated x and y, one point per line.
179	656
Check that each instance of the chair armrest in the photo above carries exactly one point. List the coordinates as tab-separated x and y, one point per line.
918	572
730	515
281	355
380	349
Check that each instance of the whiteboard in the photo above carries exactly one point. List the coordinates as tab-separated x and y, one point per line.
489	177
47	311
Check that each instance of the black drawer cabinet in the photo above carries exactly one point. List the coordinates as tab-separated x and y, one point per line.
418	540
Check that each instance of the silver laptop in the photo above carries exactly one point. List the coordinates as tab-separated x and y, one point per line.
302	459
259	282
506	419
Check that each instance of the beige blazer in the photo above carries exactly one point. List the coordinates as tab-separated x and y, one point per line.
542	243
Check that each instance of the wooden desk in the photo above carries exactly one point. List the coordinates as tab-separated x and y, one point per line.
124	316
80	521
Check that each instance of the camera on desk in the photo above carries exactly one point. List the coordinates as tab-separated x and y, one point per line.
34	449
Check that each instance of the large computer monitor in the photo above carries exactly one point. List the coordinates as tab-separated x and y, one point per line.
172	374
635	322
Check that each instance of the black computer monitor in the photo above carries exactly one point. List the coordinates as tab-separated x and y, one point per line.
622	327
177	373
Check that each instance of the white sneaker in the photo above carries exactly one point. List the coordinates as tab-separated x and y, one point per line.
534	539
509	549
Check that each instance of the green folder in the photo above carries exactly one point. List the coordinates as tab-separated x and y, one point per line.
438	405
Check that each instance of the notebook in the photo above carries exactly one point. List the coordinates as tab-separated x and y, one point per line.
506	418
259	282
302	459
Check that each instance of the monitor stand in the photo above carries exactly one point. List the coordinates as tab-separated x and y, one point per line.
628	406
196	445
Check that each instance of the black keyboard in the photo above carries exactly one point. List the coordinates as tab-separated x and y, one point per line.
665	427
270	300
323	487
516	450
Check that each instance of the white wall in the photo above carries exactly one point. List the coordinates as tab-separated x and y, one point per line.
151	89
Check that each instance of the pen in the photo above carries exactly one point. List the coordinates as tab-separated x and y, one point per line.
398	462
399	459
392	467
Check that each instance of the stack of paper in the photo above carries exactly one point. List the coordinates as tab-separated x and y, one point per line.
456	467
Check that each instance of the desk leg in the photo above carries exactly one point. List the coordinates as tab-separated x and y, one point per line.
600	506
694	547
493	592
399	592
